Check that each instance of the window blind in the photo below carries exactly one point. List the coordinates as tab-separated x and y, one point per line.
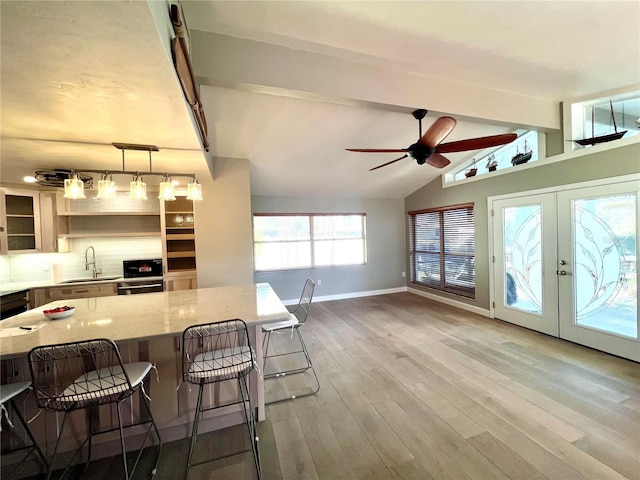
442	249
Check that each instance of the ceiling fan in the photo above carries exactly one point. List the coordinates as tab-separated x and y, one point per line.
429	148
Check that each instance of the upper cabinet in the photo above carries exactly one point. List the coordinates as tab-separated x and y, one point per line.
20	228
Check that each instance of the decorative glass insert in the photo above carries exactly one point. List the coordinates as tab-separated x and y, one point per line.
605	266
523	258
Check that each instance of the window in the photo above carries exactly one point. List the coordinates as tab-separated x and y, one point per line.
442	249
288	241
500	158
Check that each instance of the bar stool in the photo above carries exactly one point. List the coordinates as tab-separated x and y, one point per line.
217	352
8	393
84	375
297	319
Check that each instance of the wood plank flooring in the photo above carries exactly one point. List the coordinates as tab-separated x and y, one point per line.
412	389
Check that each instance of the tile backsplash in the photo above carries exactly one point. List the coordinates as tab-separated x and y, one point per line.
110	252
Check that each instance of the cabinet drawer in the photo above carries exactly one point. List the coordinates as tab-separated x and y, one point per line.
46	295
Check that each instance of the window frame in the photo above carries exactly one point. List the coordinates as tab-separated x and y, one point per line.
312	240
442	285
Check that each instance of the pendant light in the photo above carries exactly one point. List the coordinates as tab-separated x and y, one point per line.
166	190
137	188
194	190
106	187
74	188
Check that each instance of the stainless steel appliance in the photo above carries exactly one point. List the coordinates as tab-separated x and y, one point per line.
14	303
143	276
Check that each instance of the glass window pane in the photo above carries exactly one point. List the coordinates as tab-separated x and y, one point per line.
339	252
523	258
460	272
428	268
280	256
605	264
337	226
279	228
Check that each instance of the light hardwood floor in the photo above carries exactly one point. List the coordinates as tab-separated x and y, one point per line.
412	389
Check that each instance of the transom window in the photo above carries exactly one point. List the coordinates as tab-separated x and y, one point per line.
290	241
442	249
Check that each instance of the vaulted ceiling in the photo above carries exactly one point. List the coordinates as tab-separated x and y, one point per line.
290	85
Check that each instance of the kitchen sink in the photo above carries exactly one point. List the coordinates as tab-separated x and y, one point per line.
85	280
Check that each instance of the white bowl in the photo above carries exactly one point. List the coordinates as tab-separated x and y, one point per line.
53	315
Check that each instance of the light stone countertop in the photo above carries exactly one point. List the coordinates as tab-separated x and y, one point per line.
12	287
139	317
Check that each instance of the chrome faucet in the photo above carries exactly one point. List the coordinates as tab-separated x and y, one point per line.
94	272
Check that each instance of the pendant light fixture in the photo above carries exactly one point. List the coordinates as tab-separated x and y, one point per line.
137	188
74	187
194	190
106	187
166	190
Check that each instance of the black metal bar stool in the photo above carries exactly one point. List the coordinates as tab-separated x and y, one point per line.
8	393
217	352
297	319
84	375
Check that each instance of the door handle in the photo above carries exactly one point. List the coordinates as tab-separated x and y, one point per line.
561	272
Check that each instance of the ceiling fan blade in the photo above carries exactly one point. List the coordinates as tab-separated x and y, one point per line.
438	161
377	150
476	143
437	132
388	163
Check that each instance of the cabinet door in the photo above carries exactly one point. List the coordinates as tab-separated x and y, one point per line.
21	221
49	221
182	282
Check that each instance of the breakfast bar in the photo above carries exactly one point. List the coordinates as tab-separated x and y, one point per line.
146	328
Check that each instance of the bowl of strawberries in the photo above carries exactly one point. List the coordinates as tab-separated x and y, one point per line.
58	313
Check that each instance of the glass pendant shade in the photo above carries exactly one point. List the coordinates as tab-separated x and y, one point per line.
138	189
74	188
106	187
166	190
194	190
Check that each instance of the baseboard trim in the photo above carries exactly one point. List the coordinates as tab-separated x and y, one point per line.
451	302
343	296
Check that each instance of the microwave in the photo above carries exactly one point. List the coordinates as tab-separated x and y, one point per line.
142	268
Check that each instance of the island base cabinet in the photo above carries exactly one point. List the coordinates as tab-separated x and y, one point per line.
42	296
180	282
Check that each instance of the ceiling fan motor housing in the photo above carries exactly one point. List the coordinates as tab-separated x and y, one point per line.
420	152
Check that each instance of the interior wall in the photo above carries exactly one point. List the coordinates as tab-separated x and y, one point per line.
385	247
224	245
607	164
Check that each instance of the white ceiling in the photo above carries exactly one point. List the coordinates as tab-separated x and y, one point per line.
289	85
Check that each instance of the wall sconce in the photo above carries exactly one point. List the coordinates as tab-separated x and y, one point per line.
74	187
194	190
166	190
138	189
106	187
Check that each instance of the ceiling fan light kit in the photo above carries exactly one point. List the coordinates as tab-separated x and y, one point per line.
429	147
75	183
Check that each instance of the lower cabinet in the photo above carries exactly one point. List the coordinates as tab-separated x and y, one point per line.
180	282
41	296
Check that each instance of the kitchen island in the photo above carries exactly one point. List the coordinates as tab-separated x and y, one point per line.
146	327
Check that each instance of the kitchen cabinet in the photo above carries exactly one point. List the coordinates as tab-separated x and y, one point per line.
179	244
20	229
118	217
41	296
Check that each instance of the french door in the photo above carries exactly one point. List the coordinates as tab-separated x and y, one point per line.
565	265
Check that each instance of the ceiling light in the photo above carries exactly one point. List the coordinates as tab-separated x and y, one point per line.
29	179
106	187
166	191
138	189
194	190
74	187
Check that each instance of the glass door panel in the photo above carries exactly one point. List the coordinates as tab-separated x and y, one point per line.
598	242
524	270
